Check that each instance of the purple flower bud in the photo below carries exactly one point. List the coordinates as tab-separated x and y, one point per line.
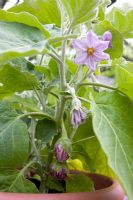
107	36
58	172
77	117
60	153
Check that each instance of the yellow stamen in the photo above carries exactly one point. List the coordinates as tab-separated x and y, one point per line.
90	51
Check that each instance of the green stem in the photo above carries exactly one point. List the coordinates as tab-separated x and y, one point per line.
32	134
39	98
43	185
98	85
58	39
76	74
32	114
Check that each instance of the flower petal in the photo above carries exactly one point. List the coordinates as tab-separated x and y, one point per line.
99	56
101	45
91	39
79	44
91	63
81	58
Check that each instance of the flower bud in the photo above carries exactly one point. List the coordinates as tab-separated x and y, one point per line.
107	36
77	117
58	171
62	149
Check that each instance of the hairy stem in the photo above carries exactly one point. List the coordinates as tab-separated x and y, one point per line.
98	85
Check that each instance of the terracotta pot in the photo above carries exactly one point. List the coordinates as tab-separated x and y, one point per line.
106	189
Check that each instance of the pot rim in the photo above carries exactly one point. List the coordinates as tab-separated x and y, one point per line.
114	184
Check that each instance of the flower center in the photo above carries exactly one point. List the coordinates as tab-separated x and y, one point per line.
90	51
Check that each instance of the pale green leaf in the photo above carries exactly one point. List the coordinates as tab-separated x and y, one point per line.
112	123
18	40
122	21
117	40
24	18
80	11
124	77
46	11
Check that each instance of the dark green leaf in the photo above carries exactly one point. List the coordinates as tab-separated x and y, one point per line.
45	130
14	139
15	182
13	80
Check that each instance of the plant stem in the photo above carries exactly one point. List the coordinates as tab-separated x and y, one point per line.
39	98
33	114
98	85
32	134
43	185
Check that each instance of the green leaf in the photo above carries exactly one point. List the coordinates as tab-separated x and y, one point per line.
53	67
112	123
122	22
13	80
117	40
45	130
80	11
22	18
46	11
124	77
16	182
89	147
14	139
18	40
73	183
53	184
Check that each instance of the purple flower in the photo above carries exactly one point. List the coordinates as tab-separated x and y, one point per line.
60	153
58	172
107	36
90	50
77	117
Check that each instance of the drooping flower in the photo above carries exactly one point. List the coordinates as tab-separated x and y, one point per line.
61	153
90	50
107	36
77	117
58	171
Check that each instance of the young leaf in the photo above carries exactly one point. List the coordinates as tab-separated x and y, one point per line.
79	183
122	21
14	139
124	77
117	39
18	40
112	123
80	11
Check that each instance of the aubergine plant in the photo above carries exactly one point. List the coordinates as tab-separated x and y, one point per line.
66	95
